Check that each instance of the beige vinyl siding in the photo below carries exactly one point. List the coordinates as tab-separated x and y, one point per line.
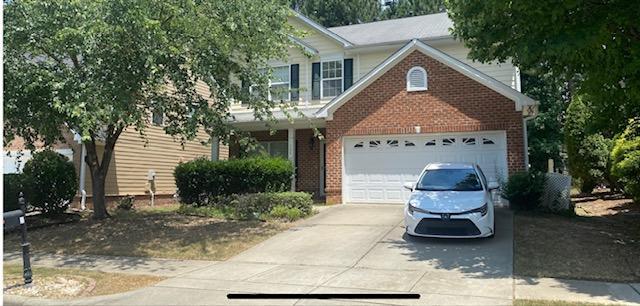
504	72
319	41
133	158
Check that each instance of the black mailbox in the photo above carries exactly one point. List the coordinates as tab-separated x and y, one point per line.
13	219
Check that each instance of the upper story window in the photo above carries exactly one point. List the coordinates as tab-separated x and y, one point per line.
279	84
331	78
416	79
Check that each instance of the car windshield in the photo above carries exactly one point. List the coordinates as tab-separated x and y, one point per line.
449	180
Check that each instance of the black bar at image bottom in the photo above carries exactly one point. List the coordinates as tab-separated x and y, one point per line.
322	296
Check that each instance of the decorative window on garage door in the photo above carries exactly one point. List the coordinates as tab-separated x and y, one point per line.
469	141
448	141
359	145
374	143
430	143
392	143
487	141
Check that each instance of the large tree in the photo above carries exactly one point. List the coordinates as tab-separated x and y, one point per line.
332	13
98	67
408	8
597	40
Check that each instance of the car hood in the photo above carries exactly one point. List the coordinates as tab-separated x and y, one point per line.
447	201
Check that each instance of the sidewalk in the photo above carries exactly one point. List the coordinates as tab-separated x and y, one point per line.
113	264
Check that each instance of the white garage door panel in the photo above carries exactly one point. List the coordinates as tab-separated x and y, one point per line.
376	167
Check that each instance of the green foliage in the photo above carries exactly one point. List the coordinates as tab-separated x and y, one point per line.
333	13
596	40
286	213
545	130
50	180
257	205
126	202
408	8
588	152
280	205
13	185
524	190
625	160
99	67
201	179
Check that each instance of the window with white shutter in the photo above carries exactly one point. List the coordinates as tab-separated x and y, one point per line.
416	79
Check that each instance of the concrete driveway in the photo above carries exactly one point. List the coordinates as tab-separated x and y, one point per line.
350	249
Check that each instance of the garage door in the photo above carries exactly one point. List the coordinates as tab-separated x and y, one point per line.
377	166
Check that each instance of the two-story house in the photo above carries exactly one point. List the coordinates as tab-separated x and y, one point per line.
390	97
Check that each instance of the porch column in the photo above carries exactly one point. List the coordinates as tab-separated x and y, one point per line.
291	151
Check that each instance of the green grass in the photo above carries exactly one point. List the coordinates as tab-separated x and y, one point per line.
97	283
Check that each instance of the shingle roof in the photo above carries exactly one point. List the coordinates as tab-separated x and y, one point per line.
396	30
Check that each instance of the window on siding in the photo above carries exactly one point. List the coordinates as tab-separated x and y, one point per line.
157	117
331	78
416	79
279	84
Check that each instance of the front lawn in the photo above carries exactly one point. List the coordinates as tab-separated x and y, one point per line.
601	243
150	232
68	283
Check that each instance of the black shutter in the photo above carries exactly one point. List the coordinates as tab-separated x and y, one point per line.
348	73
315	81
295	82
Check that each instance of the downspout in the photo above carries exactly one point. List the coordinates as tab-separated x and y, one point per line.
525	133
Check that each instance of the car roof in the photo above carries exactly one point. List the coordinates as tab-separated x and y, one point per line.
435	166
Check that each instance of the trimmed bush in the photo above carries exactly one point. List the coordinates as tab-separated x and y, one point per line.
524	190
50	180
625	160
12	186
287	213
253	206
200	180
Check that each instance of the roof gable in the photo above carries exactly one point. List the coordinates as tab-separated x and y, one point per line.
520	99
322	30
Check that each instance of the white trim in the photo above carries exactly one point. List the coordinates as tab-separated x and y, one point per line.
322	79
323	167
520	99
345	43
426	79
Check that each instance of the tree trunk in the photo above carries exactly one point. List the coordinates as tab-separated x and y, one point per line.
100	168
99	204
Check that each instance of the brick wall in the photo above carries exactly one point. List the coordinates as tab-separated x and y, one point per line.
453	103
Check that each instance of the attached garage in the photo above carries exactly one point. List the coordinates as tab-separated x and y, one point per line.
375	167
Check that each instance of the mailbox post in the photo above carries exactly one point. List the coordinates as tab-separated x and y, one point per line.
13	219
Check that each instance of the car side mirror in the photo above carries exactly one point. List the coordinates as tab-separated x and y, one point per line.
409	186
493	185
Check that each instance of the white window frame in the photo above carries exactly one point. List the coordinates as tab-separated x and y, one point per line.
322	79
282	83
426	79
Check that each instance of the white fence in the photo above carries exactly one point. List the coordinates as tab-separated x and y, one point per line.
557	192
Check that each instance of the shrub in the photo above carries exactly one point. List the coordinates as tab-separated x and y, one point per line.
200	180
203	211
50	180
287	213
524	190
625	160
259	205
126	202
588	152
12	187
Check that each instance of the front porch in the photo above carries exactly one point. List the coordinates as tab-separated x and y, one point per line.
305	150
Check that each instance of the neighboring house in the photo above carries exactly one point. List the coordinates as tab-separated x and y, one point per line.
138	167
390	97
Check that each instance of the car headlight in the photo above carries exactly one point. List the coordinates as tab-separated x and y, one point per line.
482	210
413	207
